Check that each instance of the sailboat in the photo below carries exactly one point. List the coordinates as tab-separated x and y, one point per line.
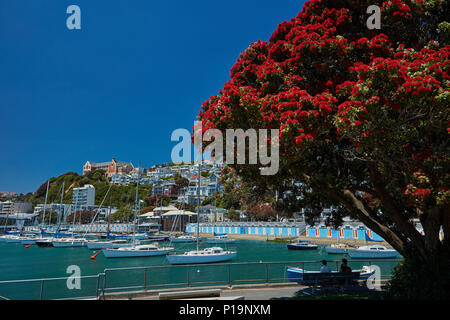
44	242
71	241
208	255
185	237
145	250
115	244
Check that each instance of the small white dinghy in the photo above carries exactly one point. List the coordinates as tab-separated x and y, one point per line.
144	250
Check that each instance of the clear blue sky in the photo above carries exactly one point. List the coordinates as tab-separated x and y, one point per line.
136	71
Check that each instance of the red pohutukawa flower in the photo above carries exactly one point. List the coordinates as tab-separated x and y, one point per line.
324	77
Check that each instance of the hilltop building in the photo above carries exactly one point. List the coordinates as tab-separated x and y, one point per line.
111	168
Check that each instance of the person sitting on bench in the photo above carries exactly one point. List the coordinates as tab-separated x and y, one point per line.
344	266
324	268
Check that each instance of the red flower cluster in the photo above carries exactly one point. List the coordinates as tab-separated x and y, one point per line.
324	77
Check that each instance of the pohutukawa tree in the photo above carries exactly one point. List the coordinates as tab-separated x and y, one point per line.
363	117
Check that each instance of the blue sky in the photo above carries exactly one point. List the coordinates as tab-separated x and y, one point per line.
136	71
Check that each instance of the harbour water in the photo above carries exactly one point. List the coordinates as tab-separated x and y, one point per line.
251	264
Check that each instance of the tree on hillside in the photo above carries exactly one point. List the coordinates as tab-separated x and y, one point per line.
260	212
123	215
85	216
364	122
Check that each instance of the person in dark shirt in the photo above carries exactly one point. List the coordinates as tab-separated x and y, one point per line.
345	267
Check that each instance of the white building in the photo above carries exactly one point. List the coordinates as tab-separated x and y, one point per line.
10	207
83	197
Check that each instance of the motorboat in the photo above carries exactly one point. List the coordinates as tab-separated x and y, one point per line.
337	248
69	242
114	244
183	238
145	250
372	252
220	239
302	245
207	255
296	274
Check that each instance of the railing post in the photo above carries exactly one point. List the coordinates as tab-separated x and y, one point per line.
42	290
187	275
97	286
267	273
104	285
145	278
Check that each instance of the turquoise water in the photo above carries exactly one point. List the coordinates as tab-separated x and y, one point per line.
18	262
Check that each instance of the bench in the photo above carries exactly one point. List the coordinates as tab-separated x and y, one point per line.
330	279
189	294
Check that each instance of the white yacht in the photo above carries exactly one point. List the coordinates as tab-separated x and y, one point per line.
28	240
145	250
220	239
372	252
208	255
183	238
114	244
69	242
11	238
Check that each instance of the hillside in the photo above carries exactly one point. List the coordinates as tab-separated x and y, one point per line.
122	196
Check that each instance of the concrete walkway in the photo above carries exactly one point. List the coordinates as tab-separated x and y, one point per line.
250	292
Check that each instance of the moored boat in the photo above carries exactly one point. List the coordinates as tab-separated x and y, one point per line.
296	274
208	255
372	252
12	239
44	242
220	239
145	250
69	242
114	244
28	240
338	248
183	238
302	245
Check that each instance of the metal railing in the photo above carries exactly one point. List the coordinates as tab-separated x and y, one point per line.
42	284
146	278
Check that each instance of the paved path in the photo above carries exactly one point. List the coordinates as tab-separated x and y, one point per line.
251	293
262	293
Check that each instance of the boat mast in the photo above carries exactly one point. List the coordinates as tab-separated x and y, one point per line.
109	214
198	195
45	204
136	206
74	213
61	208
